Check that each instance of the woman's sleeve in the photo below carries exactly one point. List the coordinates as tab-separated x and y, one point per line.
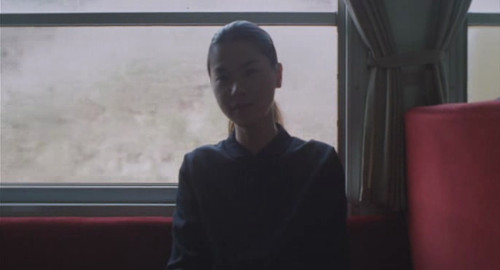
333	241
189	248
327	243
340	212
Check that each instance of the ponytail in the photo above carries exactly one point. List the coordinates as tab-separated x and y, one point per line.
277	116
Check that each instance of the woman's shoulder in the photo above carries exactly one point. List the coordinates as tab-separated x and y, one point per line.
207	150
206	153
311	147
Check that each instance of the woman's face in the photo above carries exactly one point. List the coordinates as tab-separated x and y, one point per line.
243	81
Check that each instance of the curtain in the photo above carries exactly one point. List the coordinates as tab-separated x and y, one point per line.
383	162
452	14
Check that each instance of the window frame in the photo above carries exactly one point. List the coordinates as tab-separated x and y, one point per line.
122	199
478	20
159	199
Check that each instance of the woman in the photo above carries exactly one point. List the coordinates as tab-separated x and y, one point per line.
261	199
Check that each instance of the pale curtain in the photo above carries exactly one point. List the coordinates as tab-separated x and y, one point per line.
383	148
452	14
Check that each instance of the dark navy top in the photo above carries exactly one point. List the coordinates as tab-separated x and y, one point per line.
283	208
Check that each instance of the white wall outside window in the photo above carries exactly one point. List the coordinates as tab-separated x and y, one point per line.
124	104
51	100
484	54
167	5
483	63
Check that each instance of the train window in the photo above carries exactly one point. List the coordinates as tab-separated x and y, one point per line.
98	112
483	63
90	113
483	51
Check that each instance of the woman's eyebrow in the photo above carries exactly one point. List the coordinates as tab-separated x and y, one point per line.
219	70
247	63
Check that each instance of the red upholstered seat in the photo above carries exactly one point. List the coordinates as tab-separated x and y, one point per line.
126	243
454	186
74	243
379	242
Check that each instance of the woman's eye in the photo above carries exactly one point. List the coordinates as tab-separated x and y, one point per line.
250	71
221	78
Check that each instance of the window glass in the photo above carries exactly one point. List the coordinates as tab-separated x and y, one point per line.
485	6
124	104
483	63
35	6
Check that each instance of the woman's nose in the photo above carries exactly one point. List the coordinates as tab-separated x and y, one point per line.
237	89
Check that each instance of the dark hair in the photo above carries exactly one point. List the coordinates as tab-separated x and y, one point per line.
248	31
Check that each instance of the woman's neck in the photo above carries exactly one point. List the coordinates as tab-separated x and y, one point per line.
254	138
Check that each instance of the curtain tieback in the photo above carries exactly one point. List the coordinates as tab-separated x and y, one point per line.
406	59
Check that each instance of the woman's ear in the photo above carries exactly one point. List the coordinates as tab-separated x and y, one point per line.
279	75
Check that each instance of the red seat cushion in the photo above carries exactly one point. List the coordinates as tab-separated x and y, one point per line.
454	185
84	243
378	243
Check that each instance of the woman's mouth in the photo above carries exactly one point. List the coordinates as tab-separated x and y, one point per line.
239	106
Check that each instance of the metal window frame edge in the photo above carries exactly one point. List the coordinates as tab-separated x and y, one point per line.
483	19
85	210
352	55
165	19
87	200
342	83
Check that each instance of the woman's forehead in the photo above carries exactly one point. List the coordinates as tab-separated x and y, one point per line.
235	49
235	53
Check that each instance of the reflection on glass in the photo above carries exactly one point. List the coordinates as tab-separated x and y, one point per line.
124	104
483	63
